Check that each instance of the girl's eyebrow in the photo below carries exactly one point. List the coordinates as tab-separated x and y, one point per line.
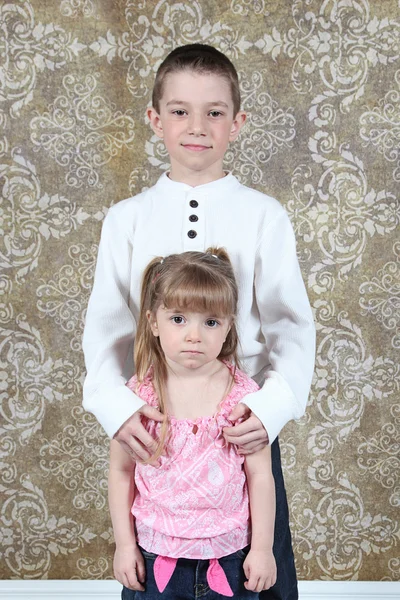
207	315
182	103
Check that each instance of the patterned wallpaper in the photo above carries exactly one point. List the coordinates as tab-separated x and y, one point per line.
321	85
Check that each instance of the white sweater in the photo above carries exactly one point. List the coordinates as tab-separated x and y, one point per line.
275	322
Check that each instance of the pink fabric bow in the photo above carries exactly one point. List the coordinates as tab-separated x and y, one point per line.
216	578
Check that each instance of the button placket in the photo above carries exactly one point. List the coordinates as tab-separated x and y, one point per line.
194	222
192	233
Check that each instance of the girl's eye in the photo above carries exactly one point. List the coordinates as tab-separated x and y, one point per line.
211	323
178	320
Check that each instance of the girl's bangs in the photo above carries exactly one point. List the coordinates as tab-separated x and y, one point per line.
211	298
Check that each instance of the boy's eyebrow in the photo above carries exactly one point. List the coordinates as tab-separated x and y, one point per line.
182	102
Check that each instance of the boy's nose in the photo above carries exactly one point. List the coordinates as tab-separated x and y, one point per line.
196	125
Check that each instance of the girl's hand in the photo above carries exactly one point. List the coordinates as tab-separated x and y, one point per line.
250	435
129	567
135	439
260	570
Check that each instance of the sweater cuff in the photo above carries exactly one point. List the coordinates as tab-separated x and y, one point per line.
274	404
113	407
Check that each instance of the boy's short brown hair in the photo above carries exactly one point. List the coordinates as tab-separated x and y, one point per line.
199	58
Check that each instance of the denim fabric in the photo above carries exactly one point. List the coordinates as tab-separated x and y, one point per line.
189	581
286	583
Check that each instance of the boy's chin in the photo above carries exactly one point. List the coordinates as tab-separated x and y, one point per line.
196	170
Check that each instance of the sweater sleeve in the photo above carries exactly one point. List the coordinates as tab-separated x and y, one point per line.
109	331
288	328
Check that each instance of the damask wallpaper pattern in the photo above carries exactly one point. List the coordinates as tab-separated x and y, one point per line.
321	85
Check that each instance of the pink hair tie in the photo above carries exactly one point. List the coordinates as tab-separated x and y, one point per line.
157	275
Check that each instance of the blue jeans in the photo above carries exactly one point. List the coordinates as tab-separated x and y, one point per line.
285	587
189	581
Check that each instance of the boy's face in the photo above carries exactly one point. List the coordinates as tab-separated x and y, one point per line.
196	122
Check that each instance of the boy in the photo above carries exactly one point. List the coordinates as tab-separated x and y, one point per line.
196	111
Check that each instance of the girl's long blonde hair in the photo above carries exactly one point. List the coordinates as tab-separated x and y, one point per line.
195	281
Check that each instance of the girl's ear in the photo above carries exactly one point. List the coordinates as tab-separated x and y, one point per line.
155	122
227	332
152	322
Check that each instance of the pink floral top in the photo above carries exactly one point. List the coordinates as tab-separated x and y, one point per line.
196	504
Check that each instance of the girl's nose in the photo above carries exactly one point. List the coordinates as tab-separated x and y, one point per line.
193	333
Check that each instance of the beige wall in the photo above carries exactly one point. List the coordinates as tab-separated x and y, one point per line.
321	85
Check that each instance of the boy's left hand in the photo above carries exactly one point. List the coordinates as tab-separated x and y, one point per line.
260	570
250	435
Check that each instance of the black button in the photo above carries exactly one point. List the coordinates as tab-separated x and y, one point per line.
192	234
193	218
193	203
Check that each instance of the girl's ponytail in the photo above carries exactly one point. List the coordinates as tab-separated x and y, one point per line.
220	253
147	348
143	339
230	348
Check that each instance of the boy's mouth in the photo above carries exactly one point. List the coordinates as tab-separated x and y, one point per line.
196	147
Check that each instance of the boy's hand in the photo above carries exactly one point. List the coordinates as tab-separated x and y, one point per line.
129	567
250	435
133	436
260	570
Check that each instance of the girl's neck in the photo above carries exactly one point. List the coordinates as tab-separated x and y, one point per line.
181	373
196	395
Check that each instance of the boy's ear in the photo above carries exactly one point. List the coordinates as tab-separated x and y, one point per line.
237	125
152	322
155	121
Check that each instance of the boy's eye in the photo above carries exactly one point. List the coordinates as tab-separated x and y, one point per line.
179	112
215	113
212	323
178	320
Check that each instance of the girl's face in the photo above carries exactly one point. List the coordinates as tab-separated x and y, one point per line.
190	340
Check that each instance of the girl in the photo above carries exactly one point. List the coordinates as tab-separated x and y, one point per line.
183	530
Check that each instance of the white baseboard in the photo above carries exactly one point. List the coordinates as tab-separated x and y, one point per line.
111	590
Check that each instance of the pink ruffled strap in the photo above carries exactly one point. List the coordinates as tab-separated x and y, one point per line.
164	567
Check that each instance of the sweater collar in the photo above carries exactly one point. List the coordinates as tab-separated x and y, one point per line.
166	185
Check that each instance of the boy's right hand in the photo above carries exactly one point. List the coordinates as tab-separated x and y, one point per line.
129	567
133	436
